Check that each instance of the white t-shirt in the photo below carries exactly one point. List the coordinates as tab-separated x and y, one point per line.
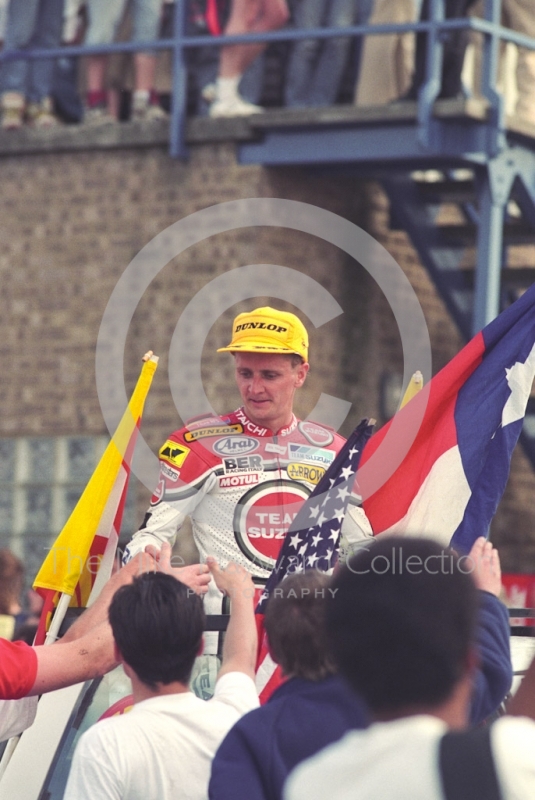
162	749
399	761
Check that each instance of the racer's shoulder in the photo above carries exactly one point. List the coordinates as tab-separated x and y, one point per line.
196	437
199	427
320	435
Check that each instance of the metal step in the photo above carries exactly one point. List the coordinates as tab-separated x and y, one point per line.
462	236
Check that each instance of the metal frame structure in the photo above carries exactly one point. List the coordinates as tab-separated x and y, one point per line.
390	143
499	158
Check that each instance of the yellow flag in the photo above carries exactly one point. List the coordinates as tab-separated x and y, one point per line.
64	564
416	383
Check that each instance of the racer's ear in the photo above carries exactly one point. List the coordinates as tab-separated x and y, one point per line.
301	373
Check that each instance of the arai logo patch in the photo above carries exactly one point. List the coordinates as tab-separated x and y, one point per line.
235	445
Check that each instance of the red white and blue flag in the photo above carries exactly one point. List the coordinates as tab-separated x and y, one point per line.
312	540
451	480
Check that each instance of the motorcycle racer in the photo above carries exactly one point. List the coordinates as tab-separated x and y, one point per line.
242	477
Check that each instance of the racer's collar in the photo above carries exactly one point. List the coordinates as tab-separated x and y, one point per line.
257	430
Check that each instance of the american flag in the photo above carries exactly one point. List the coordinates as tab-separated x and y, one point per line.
312	540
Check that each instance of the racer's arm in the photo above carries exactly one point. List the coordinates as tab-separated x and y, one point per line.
178	494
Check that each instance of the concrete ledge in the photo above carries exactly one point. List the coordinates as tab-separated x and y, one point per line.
238	129
120	135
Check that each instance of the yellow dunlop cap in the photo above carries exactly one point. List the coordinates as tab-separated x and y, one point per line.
267	330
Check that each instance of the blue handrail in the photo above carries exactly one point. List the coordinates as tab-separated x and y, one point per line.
493	33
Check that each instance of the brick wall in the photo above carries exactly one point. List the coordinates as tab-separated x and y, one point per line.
70	223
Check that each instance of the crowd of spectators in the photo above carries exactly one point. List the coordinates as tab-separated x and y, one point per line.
396	676
228	81
395	669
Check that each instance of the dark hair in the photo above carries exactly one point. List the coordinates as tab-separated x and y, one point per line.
11	580
402	622
296	360
157	624
295	625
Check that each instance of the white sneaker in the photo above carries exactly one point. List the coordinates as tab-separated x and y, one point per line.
13	105
41	115
145	111
98	116
234	107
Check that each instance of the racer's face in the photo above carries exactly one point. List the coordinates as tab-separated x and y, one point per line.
267	384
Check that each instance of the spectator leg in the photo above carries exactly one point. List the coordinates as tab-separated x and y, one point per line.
304	54
521	16
454	51
249	16
252	82
104	18
333	55
147	15
21	22
47	35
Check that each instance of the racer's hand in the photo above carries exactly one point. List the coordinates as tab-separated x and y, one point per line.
196	576
234	581
485	562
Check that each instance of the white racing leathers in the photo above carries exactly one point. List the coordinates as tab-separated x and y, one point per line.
241	485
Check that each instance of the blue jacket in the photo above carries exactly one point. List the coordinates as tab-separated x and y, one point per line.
302	717
495	674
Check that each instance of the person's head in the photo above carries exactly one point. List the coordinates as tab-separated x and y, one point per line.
401	624
157	623
295	625
271	350
11	582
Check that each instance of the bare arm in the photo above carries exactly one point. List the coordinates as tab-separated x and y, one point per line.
86	651
486	566
65	663
239	649
98	612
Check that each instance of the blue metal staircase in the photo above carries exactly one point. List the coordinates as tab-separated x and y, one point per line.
482	164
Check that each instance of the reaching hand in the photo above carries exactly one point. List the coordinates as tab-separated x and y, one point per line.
486	566
196	576
233	580
142	562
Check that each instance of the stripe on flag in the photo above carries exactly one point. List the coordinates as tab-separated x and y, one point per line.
86	546
312	540
450	482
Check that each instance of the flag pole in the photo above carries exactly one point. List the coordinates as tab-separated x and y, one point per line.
57	619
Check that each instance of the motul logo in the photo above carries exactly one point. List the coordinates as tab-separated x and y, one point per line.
238	480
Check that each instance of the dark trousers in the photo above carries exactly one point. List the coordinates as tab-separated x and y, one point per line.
454	50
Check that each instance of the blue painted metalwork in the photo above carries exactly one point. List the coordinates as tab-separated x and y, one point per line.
502	161
177	145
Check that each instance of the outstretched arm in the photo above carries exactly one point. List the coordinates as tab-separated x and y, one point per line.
239	649
493	678
86	651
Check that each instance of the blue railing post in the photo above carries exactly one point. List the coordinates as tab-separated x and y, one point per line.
491	56
433	72
177	146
